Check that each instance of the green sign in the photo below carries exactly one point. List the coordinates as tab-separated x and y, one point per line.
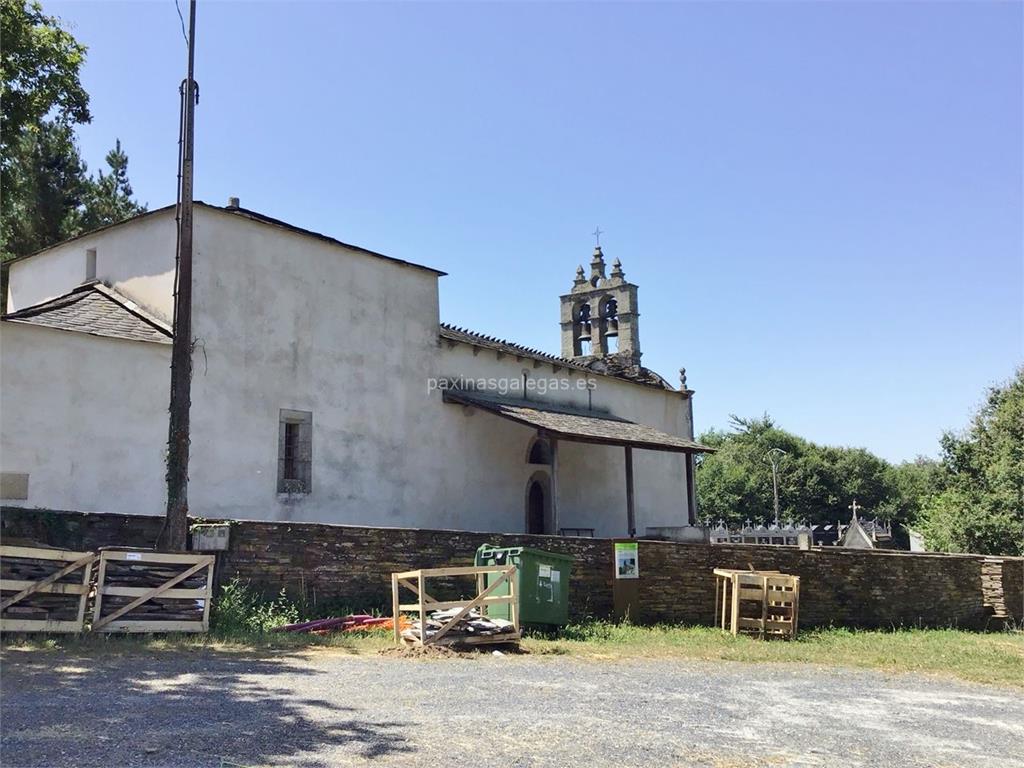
627	560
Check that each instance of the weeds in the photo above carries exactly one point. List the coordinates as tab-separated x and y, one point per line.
241	611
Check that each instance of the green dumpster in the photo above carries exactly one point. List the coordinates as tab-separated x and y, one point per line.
542	581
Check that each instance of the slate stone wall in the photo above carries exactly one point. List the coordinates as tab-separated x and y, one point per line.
1013	587
349	567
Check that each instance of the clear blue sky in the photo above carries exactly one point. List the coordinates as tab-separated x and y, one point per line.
820	202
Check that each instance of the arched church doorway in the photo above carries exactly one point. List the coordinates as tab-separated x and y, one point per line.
535	508
538	503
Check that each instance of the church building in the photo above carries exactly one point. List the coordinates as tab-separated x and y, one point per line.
326	389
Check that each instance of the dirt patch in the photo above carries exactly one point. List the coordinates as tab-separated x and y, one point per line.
419	652
447	652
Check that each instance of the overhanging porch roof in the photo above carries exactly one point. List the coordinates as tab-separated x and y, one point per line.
576	425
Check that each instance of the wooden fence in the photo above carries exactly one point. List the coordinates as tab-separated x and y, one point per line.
48	590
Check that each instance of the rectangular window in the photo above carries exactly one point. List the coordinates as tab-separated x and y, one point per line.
90	264
295	452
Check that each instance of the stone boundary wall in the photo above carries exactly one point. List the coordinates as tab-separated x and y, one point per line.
348	567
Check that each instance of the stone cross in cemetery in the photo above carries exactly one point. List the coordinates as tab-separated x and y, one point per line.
855	506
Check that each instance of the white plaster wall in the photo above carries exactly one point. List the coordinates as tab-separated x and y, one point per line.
287	321
136	257
482	468
86	417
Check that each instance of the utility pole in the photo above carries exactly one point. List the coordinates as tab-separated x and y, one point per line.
176	526
773	457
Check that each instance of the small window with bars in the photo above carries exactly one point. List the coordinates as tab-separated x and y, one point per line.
295	452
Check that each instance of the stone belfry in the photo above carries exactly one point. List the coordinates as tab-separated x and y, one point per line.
600	321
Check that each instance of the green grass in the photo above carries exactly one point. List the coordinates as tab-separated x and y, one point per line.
994	658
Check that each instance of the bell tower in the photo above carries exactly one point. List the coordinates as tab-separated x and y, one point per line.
599	316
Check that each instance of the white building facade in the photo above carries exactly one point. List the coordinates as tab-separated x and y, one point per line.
325	389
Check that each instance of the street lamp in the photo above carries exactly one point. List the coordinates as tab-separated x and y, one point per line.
773	457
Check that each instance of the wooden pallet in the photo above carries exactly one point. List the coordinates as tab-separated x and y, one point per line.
763	603
50	588
137	591
416	582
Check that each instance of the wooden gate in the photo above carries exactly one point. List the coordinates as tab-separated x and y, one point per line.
50	588
153	592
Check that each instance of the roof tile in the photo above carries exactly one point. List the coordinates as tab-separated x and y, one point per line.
575	424
96	309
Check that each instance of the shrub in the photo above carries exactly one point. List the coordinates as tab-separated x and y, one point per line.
240	610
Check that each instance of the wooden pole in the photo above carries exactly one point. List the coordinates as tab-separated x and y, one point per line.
630	510
394	609
176	527
420	583
513	607
553	442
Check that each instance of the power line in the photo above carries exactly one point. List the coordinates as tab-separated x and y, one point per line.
181	18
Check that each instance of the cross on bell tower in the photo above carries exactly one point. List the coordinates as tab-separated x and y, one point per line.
599	315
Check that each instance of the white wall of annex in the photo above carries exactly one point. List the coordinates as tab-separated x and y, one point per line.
86	417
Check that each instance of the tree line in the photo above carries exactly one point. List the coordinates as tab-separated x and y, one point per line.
971	499
48	194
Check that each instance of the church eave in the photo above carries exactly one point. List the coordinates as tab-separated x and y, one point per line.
502	347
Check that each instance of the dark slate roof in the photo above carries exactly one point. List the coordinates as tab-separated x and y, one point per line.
243	213
577	425
263	219
96	309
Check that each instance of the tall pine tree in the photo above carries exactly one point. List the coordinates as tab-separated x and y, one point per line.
46	190
110	197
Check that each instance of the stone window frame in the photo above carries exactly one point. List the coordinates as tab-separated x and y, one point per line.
295	452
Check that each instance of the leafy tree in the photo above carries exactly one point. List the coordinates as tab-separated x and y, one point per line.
980	507
816	483
39	64
915	483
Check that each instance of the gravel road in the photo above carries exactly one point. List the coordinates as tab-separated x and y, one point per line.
213	708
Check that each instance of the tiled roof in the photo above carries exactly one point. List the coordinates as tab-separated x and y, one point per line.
636	374
453	333
578	425
96	309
